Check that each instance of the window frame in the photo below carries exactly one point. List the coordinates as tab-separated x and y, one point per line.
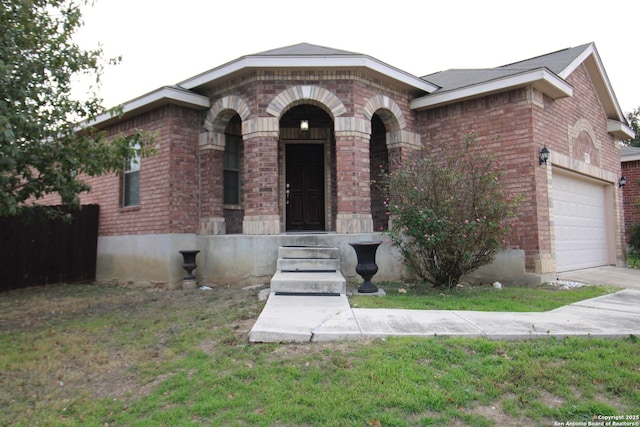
130	178
234	170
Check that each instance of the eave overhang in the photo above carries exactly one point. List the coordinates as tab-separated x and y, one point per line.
620	130
312	62
630	158
152	100
541	79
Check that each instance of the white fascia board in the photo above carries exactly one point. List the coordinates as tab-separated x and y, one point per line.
542	78
590	50
308	62
620	130
630	158
167	93
609	88
595	63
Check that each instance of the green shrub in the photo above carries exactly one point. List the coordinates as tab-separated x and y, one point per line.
449	215
634	241
634	245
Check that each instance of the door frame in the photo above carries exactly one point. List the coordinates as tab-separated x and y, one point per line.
326	179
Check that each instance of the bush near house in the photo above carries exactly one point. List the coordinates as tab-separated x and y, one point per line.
449	213
634	245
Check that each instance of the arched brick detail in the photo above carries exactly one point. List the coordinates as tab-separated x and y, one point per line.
387	110
212	144
222	110
573	136
302	94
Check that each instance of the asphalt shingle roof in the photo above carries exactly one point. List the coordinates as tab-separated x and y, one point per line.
626	151
305	49
555	62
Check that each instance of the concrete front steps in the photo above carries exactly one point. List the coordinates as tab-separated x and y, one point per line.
307	292
308	270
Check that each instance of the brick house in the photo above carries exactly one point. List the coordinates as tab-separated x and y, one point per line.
278	148
630	158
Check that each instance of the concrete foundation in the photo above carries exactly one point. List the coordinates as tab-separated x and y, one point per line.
251	259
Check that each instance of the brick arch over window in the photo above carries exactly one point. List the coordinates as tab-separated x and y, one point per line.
300	94
222	110
388	111
213	142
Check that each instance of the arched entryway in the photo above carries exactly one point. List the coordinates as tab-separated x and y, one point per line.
307	160
379	161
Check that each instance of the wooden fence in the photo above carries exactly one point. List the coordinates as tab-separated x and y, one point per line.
38	250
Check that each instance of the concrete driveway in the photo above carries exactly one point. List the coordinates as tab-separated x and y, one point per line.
614	276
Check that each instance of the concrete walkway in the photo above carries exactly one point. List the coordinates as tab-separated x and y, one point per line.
330	318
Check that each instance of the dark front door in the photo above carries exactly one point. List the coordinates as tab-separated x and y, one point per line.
305	187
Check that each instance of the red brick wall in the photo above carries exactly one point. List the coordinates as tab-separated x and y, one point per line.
558	115
183	183
502	124
352	153
261	176
631	194
353	90
168	181
514	126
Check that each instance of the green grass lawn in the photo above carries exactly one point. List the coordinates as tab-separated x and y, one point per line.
83	355
479	298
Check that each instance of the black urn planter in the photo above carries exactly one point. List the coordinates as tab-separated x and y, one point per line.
366	267
189	263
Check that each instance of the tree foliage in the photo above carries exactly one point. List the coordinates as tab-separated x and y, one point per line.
448	216
633	118
44	146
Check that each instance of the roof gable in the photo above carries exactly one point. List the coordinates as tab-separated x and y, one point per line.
309	56
561	63
305	49
547	73
557	62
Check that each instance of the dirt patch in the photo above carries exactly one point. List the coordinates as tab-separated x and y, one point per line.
496	414
90	340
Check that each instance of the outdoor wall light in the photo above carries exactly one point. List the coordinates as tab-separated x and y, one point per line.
304	125
544	155
622	181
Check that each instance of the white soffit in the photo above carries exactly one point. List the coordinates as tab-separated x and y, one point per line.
311	62
542	79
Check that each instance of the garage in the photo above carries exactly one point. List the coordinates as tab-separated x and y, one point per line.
581	222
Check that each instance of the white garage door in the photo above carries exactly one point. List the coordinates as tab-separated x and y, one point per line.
580	217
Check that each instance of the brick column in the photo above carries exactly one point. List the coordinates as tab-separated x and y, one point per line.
211	147
354	192
261	208
544	260
401	145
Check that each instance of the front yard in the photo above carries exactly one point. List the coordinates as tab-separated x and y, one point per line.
105	355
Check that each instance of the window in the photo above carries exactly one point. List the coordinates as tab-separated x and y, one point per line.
232	170
131	181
